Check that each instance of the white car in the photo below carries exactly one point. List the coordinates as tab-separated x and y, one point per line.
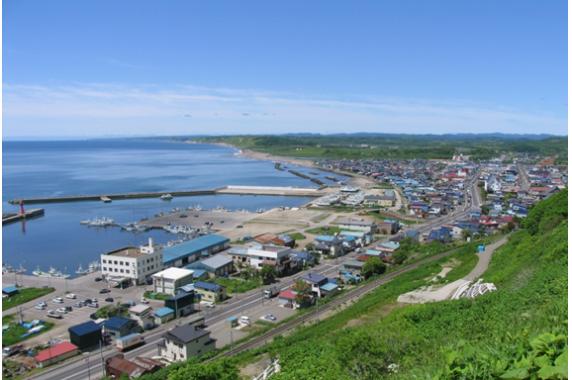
41	306
61	310
208	304
71	296
244	320
58	300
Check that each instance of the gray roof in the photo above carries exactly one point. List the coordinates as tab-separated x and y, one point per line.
217	261
186	333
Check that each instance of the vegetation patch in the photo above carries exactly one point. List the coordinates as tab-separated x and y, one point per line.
16	333
324	230
24	295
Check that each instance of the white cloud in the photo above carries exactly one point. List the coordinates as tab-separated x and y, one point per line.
97	109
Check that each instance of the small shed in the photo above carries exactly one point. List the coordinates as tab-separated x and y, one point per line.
163	315
56	353
10	290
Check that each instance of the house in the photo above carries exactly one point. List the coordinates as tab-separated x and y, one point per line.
287	298
219	265
163	315
387	199
143	315
441	234
117	366
210	292
55	354
351	265
132	264
118	327
301	258
256	256
182	303
329	245
388	247
357	224
185	253
170	279
315	280
388	226
412	234
282	240
85	335
362	238
329	288
184	342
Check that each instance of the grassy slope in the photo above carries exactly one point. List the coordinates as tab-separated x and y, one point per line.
25	295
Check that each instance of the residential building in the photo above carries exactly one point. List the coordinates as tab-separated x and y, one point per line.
388	226
257	256
184	342
357	224
185	253
170	279
182	303
164	315
329	245
132	263
210	292
118	327
315	280
143	315
282	240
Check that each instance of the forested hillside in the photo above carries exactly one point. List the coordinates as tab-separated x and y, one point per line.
518	332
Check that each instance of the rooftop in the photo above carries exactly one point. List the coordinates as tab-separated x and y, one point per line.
164	311
217	261
173	273
207	286
115	323
85	328
55	351
186	333
193	246
126	252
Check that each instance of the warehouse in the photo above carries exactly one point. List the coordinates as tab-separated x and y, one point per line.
56	353
85	335
217	265
193	250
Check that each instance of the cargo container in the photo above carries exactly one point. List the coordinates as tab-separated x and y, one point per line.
129	341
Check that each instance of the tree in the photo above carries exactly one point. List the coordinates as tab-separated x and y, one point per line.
399	257
373	266
303	292
268	274
218	370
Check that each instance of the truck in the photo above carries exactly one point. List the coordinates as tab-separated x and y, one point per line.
129	341
271	292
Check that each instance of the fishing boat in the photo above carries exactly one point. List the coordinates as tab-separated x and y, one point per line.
98	222
81	271
166	197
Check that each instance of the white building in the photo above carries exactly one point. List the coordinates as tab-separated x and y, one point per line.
258	255
132	263
184	342
143	314
170	279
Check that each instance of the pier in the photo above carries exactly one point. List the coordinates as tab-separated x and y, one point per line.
239	190
14	217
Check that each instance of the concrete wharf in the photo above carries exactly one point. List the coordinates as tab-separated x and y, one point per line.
14	217
240	190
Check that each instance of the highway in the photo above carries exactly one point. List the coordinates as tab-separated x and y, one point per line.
90	365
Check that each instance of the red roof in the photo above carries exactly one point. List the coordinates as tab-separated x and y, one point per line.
55	351
288	294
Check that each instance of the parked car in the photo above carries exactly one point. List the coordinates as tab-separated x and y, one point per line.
207	304
79	304
93	316
244	320
104	291
12	350
71	296
61	310
95	305
58	300
109	299
269	317
98	279
54	314
68	308
41	306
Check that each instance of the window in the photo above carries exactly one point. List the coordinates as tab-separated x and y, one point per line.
127	271
104	261
121	270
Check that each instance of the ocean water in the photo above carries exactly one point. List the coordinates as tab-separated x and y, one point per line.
54	168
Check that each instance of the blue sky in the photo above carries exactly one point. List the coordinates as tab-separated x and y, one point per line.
101	68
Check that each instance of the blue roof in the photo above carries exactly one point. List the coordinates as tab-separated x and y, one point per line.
163	312
314	277
207	286
85	328
192	247
329	286
115	323
10	289
325	238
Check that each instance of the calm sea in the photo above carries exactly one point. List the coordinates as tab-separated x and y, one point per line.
114	166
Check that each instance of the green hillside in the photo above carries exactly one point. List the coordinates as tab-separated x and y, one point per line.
518	332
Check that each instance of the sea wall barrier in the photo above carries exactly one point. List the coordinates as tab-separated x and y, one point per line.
240	190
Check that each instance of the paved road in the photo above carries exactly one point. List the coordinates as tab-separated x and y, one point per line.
91	365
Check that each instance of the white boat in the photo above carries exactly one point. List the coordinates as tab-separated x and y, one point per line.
80	271
166	197
98	222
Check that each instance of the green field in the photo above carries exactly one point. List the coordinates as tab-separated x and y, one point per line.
396	146
326	230
297	236
238	285
25	295
14	333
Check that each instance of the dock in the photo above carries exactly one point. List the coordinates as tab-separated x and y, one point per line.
239	190
14	217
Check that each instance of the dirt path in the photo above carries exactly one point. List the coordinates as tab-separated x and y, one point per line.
432	294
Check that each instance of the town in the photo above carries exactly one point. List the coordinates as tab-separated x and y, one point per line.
240	274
